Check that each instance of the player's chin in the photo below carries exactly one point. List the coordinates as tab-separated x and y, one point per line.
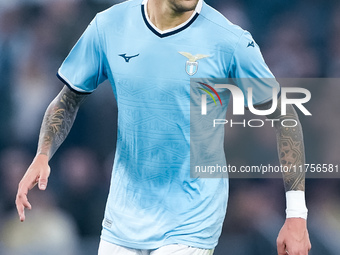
185	5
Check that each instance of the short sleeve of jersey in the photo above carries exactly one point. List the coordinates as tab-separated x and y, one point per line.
248	69
83	69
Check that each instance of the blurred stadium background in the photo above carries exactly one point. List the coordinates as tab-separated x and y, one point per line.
299	38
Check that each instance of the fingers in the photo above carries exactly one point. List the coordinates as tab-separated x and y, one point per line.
293	238
309	246
37	173
281	248
43	179
304	252
33	183
292	250
22	203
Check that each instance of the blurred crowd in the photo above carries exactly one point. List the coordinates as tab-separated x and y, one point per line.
298	38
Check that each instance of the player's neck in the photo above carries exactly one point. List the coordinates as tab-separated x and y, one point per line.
164	16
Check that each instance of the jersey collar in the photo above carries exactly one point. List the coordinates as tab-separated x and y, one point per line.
174	30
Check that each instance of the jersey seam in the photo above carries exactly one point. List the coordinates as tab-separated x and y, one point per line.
140	2
226	29
218	24
233	55
100	49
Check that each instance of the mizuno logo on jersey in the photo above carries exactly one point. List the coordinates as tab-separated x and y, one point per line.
127	58
191	66
252	44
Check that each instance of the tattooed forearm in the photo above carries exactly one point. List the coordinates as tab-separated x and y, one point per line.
291	154
58	120
290	148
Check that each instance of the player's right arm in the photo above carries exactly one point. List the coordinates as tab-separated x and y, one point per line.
56	125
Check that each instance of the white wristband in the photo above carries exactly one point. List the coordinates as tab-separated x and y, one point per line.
296	204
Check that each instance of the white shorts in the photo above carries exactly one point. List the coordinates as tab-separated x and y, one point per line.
106	248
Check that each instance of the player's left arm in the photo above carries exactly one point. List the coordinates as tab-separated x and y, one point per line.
248	62
293	238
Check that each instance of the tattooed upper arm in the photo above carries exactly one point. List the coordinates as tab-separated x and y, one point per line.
58	120
290	147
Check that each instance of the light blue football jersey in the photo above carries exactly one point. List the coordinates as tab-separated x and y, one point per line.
152	200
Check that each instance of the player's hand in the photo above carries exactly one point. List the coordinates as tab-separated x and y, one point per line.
293	238
37	173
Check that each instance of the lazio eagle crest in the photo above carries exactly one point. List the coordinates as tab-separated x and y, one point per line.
191	66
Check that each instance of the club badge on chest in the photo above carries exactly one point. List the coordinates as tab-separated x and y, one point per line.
191	66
